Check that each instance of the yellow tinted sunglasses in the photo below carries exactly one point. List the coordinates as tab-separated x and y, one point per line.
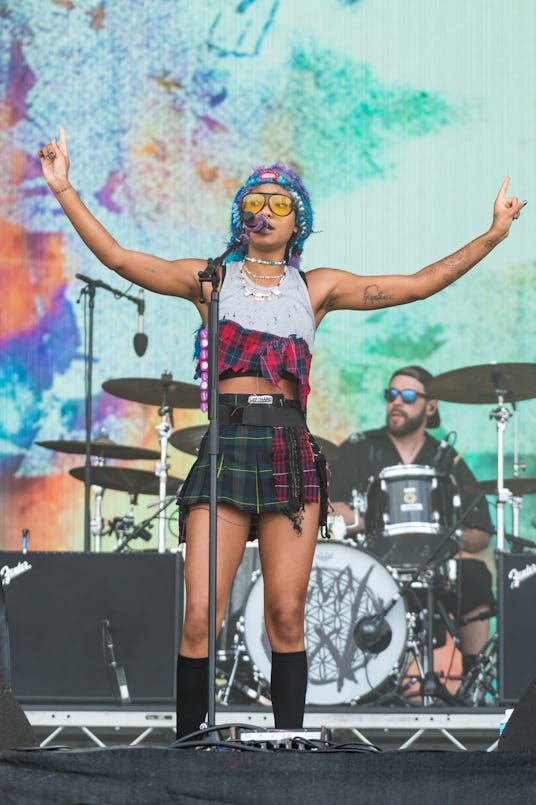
278	203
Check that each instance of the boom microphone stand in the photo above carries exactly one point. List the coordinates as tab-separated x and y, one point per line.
212	274
89	290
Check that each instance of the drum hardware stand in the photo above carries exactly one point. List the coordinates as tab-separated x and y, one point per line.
240	653
431	686
96	522
398	674
516	501
481	678
126	530
163	429
372	627
501	416
89	290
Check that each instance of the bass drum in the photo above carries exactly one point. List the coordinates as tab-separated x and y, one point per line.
346	584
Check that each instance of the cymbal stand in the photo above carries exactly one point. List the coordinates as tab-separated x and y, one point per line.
163	429
501	415
96	521
518	464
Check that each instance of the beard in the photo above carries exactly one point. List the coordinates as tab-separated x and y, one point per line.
406	423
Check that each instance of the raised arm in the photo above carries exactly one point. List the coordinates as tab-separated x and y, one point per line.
332	289
173	277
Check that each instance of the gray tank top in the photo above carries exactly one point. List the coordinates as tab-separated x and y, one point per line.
288	314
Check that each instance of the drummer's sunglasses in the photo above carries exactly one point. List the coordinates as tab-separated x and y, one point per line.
407	395
278	203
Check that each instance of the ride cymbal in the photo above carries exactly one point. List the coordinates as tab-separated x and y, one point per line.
485	383
518	486
155	391
189	439
101	447
123	479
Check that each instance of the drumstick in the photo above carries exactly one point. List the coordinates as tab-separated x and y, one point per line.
459	456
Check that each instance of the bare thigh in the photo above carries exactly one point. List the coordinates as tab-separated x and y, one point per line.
286	560
232	534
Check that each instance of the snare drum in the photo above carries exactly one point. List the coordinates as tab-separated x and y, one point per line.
411	508
346	584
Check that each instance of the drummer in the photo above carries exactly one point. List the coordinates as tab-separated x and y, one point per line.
405	440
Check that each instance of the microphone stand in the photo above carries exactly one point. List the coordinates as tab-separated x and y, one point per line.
89	290
212	274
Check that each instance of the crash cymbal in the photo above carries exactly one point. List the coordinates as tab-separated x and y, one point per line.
483	384
189	439
101	447
518	486
158	391
135	482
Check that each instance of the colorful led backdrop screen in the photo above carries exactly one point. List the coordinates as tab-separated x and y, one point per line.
403	119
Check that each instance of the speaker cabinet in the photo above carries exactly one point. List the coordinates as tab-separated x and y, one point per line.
94	628
15	729
517	626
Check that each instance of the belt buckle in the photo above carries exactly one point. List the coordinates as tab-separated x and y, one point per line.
260	399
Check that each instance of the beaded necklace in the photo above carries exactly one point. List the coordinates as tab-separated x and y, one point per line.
265	262
252	275
257	294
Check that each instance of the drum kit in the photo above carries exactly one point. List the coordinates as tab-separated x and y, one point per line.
374	612
365	635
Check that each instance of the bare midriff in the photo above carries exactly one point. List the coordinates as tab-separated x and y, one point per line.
258	385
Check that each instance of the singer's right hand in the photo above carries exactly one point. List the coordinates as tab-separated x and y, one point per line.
55	163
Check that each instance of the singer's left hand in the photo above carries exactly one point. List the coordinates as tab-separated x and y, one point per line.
505	211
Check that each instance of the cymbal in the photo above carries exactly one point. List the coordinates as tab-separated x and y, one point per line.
101	447
484	383
189	439
155	391
518	486
135	482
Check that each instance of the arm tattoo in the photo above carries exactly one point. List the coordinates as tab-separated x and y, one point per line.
373	294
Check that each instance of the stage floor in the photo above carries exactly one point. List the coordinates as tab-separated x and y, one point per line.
229	776
387	728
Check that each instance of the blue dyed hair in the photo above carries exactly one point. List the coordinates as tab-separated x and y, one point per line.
286	177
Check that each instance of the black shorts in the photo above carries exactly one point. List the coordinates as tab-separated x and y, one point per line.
473	588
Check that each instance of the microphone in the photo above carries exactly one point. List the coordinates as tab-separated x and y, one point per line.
444	456
254	223
373	633
112	664
140	339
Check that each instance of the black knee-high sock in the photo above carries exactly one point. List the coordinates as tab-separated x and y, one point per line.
289	685
192	693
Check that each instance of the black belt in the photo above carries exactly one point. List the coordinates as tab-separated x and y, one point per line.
269	415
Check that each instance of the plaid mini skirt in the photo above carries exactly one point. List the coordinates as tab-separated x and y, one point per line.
260	468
